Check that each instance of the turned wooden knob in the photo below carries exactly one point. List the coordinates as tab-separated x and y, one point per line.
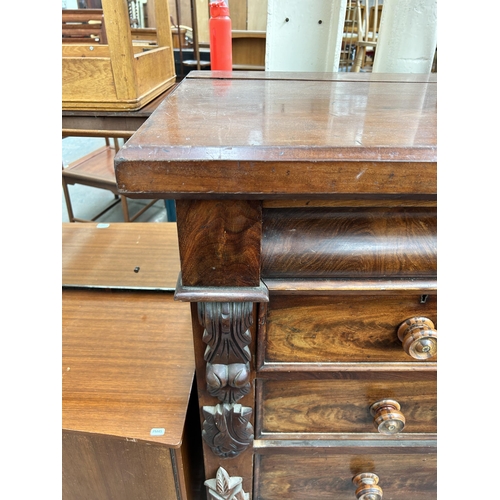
388	419
367	486
419	337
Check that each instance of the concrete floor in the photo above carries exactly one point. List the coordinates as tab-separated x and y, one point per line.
88	201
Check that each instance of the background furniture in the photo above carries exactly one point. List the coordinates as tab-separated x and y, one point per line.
102	123
121	73
349	36
96	170
110	124
368	27
249	49
307	239
129	430
83	26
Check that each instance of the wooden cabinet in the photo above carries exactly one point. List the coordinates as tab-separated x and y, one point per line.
130	428
117	72
306	209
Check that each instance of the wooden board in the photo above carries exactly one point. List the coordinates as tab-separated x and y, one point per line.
107	255
127	364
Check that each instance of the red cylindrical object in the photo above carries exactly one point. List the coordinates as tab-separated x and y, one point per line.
221	52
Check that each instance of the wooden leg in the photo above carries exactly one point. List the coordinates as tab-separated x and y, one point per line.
358	62
126	216
68	201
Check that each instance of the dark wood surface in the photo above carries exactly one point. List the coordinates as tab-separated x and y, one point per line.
349	242
317	329
268	138
312	473
219	243
326	76
342	171
119	255
337	406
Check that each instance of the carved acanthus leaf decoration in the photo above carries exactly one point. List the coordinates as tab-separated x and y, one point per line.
227	428
227	333
224	487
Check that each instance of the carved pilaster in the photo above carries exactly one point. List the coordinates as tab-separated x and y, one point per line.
224	487
227	428
227	336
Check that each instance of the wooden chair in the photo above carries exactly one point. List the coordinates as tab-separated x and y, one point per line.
349	36
97	170
368	28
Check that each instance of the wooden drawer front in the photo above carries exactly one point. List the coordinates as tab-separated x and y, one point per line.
326	473
361	242
343	405
341	329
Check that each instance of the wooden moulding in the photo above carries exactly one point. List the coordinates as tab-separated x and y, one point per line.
124	74
221	294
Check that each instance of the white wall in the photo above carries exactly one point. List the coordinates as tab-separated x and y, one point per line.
304	36
407	37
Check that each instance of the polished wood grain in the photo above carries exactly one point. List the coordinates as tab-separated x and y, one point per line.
118	255
359	202
337	406
219	242
359	153
349	286
277	138
349	242
313	473
127	364
293	75
340	329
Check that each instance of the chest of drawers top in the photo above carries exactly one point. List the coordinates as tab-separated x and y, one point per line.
269	135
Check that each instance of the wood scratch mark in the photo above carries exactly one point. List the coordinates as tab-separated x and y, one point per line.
360	174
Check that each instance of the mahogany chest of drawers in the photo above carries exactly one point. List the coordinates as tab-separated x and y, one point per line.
306	211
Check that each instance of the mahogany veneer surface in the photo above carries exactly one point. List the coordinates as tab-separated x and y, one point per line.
335	176
341	328
310	474
273	137
343	405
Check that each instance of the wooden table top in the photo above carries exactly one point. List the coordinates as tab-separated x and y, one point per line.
107	255
269	135
127	364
